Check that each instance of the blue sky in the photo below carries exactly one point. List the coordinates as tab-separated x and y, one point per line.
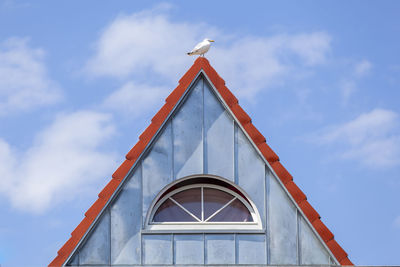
79	81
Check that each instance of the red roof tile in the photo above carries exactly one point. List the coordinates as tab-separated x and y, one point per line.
136	150
122	170
156	122
240	114
295	191
337	250
309	211
95	209
267	152
162	114
282	173
345	261
150	131
80	230
229	98
323	231
66	247
177	93
255	135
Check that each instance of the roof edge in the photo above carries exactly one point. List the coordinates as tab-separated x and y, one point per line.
149	133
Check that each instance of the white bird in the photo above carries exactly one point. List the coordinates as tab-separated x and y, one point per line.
201	48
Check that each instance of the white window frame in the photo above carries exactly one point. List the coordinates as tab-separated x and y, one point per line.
205	225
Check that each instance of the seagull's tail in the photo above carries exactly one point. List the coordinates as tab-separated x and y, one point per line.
189	53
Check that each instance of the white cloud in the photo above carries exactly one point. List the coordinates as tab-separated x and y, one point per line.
372	138
312	47
396	222
24	81
150	41
133	99
362	68
349	85
143	41
12	4
64	160
253	64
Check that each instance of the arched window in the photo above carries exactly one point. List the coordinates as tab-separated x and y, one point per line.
199	203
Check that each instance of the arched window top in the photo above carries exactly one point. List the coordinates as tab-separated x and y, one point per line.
201	203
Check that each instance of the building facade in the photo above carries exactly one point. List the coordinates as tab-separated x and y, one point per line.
201	187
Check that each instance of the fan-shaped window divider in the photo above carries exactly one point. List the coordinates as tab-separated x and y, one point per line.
203	206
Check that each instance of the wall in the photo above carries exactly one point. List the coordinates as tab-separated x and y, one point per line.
201	138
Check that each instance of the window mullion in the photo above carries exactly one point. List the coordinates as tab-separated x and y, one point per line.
182	207
202	204
223	207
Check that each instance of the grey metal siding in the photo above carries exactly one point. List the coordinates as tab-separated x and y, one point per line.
201	138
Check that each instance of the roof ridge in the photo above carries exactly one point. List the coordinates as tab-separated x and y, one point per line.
157	121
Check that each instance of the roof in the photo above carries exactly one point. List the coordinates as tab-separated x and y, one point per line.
157	121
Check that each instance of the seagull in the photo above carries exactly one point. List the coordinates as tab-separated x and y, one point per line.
201	48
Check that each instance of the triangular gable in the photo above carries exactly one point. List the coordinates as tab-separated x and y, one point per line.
230	102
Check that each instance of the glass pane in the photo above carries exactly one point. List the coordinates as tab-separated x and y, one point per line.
170	212
234	212
214	200
191	200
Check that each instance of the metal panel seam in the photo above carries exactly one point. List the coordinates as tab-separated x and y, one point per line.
204	134
298	237
235	154
141	214
267	222
109	235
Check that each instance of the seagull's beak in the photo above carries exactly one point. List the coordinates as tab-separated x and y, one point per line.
211	40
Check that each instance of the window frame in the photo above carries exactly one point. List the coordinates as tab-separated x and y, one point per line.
203	226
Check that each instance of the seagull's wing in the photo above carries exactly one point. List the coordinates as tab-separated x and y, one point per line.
198	46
